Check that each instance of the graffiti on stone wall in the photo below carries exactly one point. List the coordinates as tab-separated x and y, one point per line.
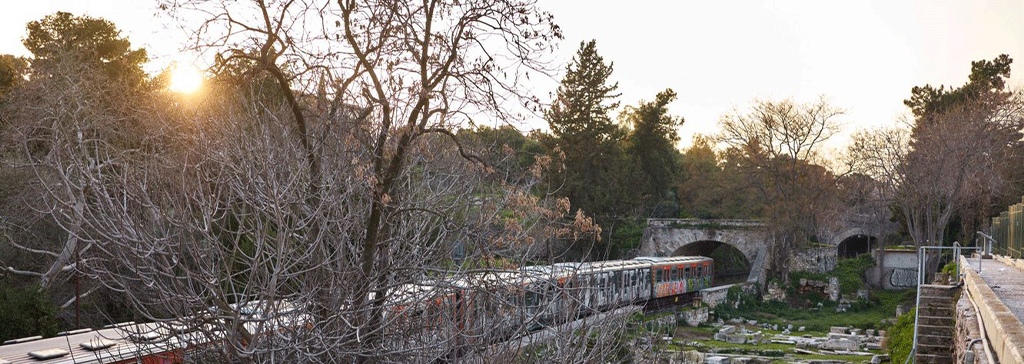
903	278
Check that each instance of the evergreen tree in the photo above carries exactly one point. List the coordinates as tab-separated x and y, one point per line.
595	163
652	143
91	41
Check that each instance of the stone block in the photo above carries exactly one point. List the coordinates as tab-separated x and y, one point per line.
837	329
727	329
863	294
878	359
717	360
840	344
801	329
869	332
736	339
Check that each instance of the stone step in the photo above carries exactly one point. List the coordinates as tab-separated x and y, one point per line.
937	288
945	321
935	340
936	311
934	330
934	359
937	300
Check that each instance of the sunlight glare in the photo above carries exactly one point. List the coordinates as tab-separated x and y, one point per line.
185	78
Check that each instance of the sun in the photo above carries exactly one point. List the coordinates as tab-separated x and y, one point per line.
185	78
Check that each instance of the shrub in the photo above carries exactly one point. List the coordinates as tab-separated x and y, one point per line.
851	272
901	337
25	312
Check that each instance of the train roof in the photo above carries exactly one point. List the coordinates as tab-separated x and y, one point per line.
129	340
672	260
113	343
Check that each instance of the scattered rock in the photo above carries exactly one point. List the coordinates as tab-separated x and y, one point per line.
717	360
877	359
837	330
801	329
863	294
727	329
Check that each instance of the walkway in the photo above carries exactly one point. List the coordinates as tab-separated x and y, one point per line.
998	293
1007	282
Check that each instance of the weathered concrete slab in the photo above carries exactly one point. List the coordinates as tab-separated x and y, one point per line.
1002	323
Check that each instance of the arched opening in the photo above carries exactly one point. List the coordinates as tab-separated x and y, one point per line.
855	245
731	266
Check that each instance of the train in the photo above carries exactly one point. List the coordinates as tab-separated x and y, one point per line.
448	313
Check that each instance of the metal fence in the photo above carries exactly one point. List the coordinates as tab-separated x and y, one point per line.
1008	231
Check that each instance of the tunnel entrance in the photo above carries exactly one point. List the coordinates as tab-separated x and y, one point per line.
731	266
855	245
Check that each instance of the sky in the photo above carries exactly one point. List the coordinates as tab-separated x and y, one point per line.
718	56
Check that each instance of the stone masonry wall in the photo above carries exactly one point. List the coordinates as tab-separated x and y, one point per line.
814	260
966	332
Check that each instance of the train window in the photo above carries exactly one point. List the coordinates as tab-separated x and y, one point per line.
700	271
657	275
687	274
674	274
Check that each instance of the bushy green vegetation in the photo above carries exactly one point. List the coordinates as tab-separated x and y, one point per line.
851	272
901	337
25	312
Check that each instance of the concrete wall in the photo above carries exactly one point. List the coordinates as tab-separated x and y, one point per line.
896	269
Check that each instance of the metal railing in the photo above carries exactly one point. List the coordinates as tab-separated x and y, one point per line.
922	258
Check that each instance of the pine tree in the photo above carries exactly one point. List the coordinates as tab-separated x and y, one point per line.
580	110
652	143
596	170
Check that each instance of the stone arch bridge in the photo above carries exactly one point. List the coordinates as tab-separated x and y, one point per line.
670	237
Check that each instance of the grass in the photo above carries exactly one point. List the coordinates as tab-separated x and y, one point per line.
863	314
765	348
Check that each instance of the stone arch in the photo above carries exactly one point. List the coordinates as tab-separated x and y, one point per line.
854	242
731	264
663	237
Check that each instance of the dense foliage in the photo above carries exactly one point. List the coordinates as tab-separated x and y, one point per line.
25	312
901	337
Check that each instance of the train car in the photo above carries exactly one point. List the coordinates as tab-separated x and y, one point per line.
446	314
672	276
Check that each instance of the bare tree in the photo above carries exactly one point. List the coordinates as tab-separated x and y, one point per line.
779	144
952	161
329	216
